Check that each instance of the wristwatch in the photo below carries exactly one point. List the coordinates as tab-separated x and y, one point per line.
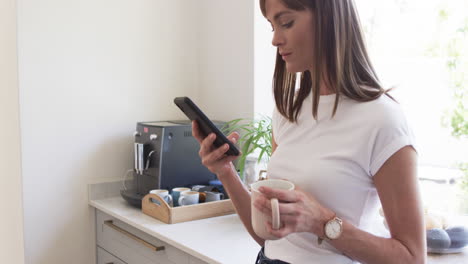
332	229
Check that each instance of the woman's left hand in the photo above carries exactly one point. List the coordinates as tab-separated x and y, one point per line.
299	211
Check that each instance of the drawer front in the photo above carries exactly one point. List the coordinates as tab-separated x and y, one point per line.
104	257
134	246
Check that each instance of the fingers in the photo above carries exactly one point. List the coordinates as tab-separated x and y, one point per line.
206	145
234	137
283	231
282	195
211	155
264	205
215	154
196	132
290	216
209	151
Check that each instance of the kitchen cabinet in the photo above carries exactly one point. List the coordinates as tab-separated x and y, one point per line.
104	257
120	243
214	240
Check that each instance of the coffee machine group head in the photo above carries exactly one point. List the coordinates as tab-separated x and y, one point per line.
165	157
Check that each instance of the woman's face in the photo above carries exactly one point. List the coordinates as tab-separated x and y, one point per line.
292	35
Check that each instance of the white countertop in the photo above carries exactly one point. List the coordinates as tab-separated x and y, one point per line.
229	241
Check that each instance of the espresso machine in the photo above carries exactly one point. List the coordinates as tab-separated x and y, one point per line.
165	156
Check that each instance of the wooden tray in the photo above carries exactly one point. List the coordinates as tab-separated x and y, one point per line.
172	215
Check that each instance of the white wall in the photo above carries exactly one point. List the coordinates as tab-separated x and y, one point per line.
88	71
11	216
226	49
265	59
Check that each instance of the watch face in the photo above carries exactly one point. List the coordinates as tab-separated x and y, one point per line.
333	229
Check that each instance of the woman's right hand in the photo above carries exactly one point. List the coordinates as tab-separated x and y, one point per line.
214	158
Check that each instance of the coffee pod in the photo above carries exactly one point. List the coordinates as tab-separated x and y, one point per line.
202	197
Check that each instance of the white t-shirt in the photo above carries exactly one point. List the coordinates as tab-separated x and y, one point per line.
335	159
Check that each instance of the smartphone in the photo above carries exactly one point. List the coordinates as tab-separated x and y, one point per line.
207	127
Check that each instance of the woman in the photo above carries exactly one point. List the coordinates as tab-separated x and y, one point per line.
340	137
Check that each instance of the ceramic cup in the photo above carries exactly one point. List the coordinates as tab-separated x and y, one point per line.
260	219
164	194
176	194
188	198
214	196
205	188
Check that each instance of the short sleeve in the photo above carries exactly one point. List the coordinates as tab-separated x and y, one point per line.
393	134
277	122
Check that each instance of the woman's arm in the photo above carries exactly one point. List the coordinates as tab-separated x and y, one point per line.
397	185
220	164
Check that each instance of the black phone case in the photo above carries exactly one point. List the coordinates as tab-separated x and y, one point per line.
192	111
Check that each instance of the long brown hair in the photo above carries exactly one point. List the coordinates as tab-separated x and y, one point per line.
340	57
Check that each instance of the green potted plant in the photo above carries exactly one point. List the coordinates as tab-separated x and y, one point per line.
255	139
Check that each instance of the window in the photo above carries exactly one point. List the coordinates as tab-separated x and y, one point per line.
418	47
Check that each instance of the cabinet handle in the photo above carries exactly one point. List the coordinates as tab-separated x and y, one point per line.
110	224
110	263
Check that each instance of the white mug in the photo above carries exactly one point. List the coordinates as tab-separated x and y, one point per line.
164	194
176	194
188	198
259	219
214	196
